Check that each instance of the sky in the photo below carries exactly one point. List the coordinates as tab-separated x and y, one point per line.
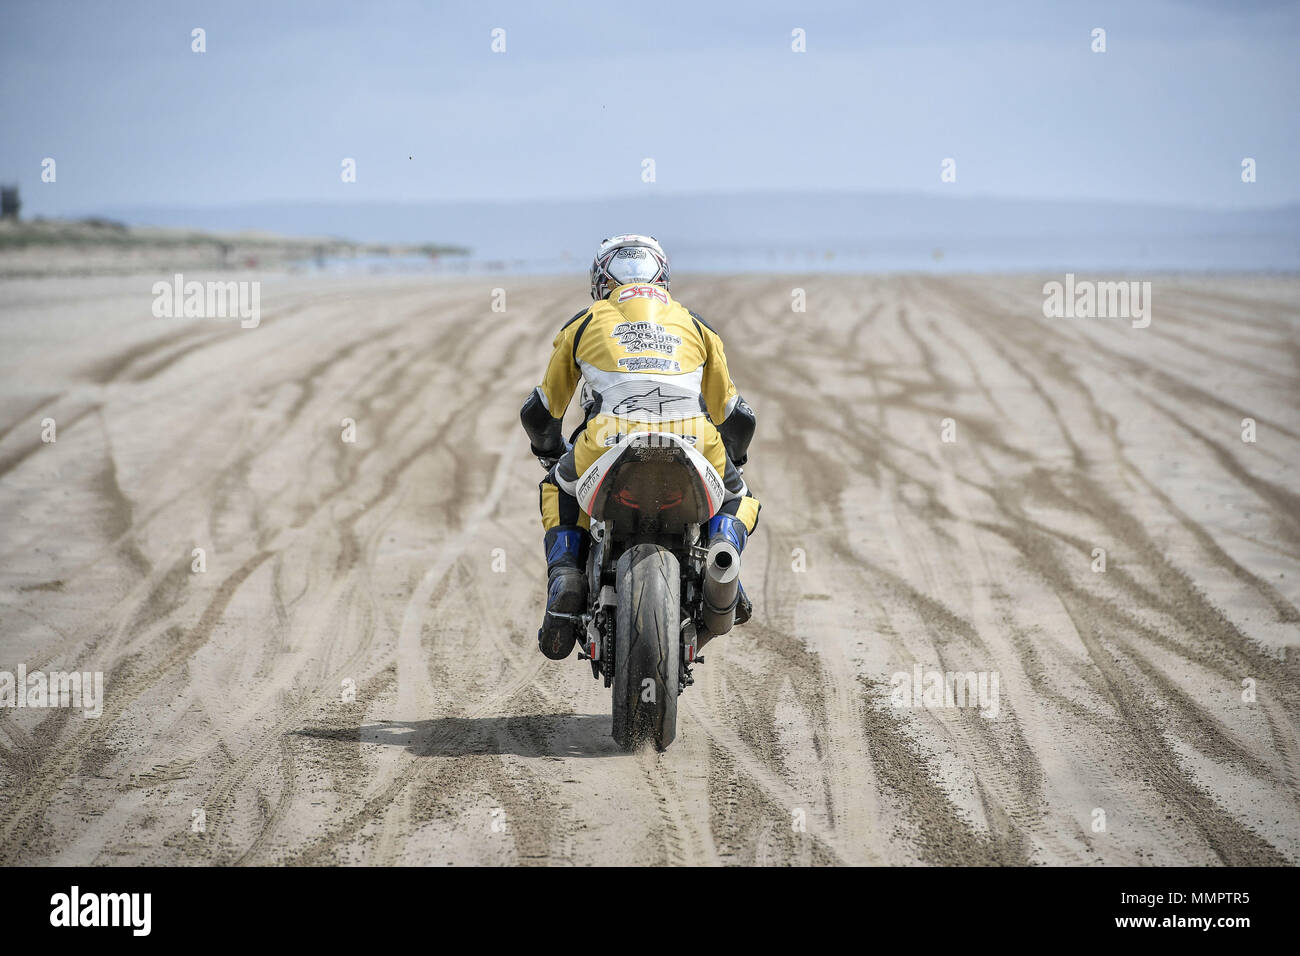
586	92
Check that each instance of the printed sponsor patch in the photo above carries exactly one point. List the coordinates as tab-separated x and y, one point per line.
715	486
648	363
645	337
613	440
643	292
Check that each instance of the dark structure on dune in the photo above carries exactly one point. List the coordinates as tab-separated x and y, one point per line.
9	202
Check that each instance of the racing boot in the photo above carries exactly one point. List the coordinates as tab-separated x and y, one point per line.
732	529
566	592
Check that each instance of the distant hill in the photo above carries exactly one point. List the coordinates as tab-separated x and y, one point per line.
99	245
800	229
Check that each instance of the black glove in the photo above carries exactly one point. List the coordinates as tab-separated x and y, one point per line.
550	461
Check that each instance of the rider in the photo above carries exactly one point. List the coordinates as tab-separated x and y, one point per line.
646	364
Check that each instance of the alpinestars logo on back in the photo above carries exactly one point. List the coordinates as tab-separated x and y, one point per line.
645	337
652	401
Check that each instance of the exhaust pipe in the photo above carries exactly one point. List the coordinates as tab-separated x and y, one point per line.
721	587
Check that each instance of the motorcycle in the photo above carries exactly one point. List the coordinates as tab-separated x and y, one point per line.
658	591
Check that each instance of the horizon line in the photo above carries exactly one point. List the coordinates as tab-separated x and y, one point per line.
1288	205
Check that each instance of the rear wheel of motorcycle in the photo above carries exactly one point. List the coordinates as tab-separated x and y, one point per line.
647	639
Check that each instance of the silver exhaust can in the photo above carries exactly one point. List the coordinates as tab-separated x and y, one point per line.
721	586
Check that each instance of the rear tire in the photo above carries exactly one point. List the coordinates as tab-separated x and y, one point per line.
647	647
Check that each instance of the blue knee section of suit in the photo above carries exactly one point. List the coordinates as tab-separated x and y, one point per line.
730	527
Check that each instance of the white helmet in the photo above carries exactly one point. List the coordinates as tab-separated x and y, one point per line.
625	259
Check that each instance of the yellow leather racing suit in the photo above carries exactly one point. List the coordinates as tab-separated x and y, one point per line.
646	363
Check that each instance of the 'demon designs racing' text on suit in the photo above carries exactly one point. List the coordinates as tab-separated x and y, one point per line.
647	364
